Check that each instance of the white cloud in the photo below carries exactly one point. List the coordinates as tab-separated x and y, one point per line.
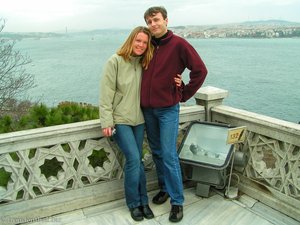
54	15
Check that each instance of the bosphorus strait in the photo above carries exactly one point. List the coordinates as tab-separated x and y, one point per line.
261	75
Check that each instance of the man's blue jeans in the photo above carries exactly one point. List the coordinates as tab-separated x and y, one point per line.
162	130
130	141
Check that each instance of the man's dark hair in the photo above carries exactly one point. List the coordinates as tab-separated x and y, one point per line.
152	11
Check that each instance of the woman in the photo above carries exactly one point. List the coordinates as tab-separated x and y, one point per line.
121	115
120	110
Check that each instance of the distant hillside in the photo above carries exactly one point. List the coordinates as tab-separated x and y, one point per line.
248	29
36	35
271	22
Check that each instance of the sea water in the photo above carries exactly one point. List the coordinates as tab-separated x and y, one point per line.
261	75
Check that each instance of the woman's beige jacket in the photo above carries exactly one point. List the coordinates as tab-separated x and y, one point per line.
120	92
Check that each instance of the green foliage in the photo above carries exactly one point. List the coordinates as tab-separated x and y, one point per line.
5	124
40	115
4	177
98	158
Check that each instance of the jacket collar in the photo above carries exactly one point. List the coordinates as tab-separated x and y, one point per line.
135	58
163	40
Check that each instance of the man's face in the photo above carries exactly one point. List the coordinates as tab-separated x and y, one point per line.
157	25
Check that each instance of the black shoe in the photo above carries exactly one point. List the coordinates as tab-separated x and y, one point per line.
136	214
147	212
160	198
176	213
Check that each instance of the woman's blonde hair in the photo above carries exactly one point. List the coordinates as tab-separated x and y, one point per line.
126	50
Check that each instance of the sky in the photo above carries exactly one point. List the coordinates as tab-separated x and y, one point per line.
84	15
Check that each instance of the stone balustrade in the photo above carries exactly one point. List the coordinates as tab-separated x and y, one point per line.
62	168
272	146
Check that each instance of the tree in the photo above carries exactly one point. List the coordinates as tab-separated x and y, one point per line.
14	81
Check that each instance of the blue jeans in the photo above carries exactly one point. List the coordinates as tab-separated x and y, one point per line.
162	130
130	141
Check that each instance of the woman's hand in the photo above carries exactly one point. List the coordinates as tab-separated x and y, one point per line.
178	80
108	131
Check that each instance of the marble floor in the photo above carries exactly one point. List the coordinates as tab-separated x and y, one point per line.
197	211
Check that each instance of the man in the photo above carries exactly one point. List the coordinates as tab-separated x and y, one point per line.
160	99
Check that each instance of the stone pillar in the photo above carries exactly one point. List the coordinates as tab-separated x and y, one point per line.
210	97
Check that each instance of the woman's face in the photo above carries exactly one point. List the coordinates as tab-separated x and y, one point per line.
140	43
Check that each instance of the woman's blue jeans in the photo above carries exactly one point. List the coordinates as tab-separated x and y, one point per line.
162	130
130	141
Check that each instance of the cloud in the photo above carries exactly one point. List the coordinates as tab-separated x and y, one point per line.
55	15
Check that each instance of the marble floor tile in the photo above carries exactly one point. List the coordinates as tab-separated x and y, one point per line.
197	211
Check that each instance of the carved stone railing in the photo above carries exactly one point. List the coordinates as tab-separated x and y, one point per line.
272	147
70	163
68	150
88	167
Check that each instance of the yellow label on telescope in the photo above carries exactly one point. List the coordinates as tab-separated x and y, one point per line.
236	135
